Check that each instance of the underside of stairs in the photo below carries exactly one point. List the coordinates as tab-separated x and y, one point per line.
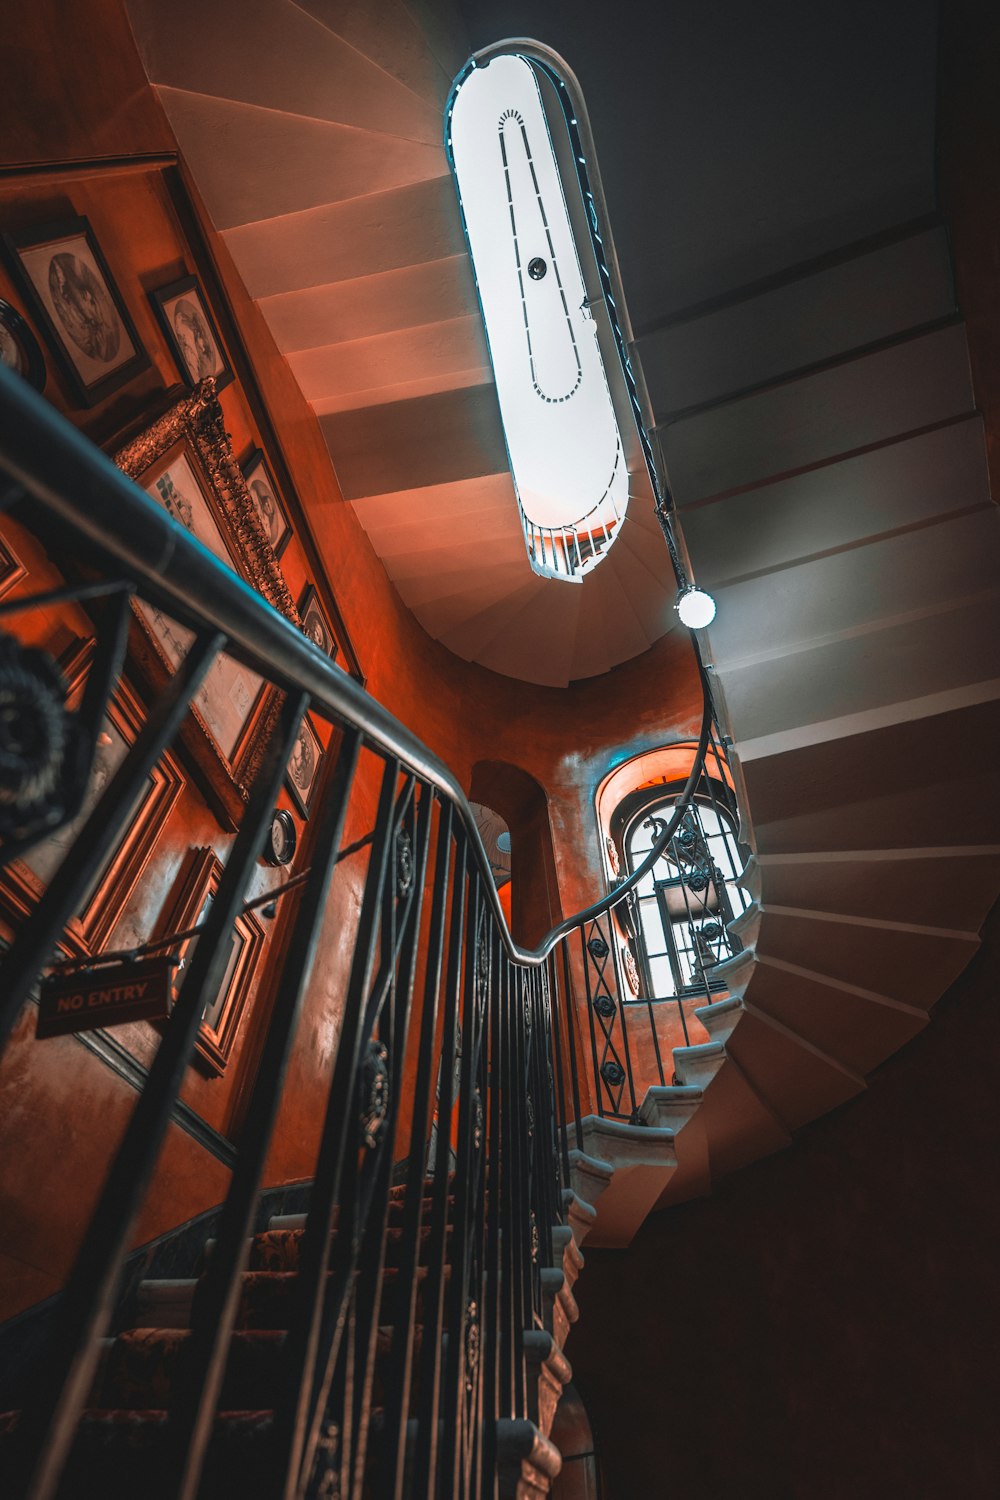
821	440
315	134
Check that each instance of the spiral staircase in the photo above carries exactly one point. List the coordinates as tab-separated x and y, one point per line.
826	458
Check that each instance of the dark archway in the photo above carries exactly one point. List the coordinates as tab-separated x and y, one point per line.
523	805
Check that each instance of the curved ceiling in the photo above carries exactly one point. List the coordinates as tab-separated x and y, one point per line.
314	132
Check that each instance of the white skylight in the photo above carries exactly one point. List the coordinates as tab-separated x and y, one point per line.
563	439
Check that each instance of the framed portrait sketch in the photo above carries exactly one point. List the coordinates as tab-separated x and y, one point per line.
185	462
191	332
198	885
315	623
78	306
25	879
265	496
303	768
20	351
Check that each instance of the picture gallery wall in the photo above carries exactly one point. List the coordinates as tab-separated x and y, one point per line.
110	308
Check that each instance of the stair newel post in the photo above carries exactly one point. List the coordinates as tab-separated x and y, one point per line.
570	1013
525	1180
463	1296
622	1013
389	1474
598	1080
511	1369
218	1300
425	1467
315	1320
544	1206
36	940
50	1415
561	1118
493	1349
402	927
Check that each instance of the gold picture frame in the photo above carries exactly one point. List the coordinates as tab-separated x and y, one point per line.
185	462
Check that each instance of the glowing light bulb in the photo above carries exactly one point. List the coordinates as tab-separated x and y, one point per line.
695	607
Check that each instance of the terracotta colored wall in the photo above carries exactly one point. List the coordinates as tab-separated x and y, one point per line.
80	92
827	1324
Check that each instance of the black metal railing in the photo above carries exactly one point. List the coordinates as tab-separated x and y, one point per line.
454	1102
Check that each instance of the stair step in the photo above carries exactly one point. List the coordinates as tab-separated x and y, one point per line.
946	887
902	961
281	58
277	164
832	792
739	1122
337	375
410	444
857	1027
343	241
390	35
265	1299
797	1080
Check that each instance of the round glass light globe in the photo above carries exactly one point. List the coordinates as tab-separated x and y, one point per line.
696	608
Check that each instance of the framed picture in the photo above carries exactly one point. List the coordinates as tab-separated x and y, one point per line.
191	333
78	306
315	623
303	768
25	879
185	462
264	493
20	351
198	884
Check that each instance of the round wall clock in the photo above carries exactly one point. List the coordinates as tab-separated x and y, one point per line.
281	839
19	349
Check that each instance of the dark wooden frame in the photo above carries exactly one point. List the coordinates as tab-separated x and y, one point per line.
304	803
21	332
200	880
12	569
194	426
258	458
311	600
165	294
88	394
21	888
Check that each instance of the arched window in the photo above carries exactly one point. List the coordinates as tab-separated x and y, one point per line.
682	908
529	190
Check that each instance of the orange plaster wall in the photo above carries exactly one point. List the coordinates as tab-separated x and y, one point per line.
566	739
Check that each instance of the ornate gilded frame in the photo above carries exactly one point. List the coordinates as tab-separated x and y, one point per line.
194	427
218	1031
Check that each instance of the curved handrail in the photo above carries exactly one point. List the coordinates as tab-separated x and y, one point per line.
67	473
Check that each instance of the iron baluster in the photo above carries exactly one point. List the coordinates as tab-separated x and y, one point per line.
303	1352
35	943
49	1419
215	1310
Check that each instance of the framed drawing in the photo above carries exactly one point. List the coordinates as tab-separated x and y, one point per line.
223	1015
264	493
20	351
191	333
303	768
78	306
315	623
25	879
185	462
